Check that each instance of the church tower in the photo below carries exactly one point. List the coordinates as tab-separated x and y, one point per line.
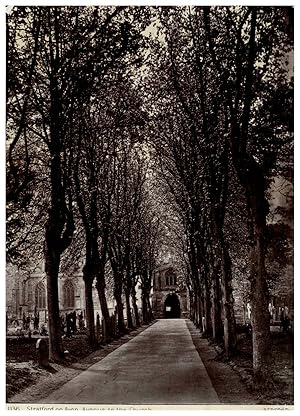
169	298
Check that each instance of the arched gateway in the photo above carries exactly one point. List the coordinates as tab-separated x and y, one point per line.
169	298
172	306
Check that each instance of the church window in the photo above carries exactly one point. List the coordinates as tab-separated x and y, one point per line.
170	278
40	296
69	294
24	292
29	293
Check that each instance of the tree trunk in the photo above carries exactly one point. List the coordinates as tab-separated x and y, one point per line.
196	309
219	308
217	330
135	307
202	312
197	302
192	305
213	312
253	181
118	297
103	302
150	314
260	317
227	300
229	326
89	307
207	308
59	231
145	309
128	310
52	260
199	311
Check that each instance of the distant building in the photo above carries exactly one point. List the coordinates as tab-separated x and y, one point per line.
26	293
169	298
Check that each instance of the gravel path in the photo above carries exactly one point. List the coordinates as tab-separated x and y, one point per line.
160	366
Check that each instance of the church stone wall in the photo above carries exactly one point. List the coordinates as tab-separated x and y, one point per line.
163	287
21	295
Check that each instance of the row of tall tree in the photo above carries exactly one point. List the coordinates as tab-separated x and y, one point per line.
221	130
74	112
131	126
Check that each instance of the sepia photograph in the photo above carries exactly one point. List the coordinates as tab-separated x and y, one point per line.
149	157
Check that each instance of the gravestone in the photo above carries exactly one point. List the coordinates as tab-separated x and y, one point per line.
42	353
31	325
113	325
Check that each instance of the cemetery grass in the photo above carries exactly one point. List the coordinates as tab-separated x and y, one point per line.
27	382
232	377
280	388
22	369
